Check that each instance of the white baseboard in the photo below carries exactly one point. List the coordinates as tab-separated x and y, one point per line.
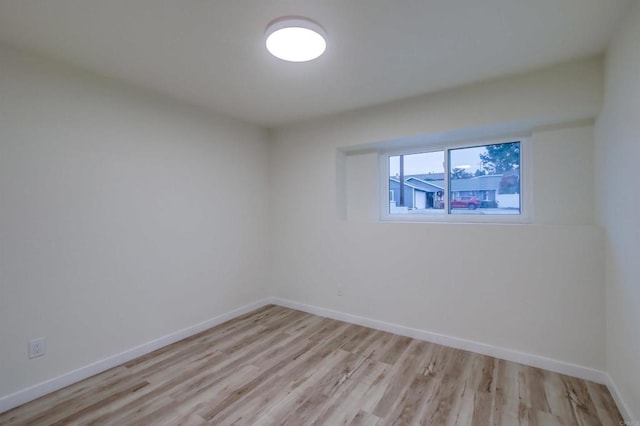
550	364
627	415
36	391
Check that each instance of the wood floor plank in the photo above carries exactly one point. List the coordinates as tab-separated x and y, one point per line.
364	419
343	406
442	403
405	367
281	366
280	411
276	363
413	396
604	403
531	389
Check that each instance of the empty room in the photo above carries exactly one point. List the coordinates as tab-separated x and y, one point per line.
359	212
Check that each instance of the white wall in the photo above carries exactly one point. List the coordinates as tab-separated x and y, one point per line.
617	155
123	217
547	295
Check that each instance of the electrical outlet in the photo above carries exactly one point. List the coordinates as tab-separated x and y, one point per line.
37	347
340	291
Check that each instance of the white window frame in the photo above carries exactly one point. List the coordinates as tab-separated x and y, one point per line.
526	192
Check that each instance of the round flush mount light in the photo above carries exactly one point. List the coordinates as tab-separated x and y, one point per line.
295	39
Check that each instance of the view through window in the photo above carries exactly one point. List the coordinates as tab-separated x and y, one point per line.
481	180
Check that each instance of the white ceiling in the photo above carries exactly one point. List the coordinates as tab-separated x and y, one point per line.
211	52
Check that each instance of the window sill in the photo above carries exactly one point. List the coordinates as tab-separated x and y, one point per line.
497	219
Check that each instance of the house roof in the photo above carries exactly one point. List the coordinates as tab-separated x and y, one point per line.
479	183
410	185
426	186
427	176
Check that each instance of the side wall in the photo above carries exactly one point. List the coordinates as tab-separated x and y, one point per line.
617	154
542	289
120	217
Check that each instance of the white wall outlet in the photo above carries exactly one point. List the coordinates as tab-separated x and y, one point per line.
37	347
340	289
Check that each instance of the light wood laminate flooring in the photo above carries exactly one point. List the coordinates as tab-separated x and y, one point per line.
281	366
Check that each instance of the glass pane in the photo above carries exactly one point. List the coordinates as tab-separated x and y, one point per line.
485	179
421	177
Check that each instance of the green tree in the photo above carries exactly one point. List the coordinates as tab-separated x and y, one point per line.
458	173
501	158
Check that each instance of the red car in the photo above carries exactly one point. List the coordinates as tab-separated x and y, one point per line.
470	203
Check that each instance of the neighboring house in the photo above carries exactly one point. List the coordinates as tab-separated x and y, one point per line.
418	194
423	194
484	188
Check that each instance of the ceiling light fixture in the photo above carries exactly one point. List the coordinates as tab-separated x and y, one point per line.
295	39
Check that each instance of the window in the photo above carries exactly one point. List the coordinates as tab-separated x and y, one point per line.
472	182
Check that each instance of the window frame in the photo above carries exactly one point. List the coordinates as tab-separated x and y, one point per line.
526	190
